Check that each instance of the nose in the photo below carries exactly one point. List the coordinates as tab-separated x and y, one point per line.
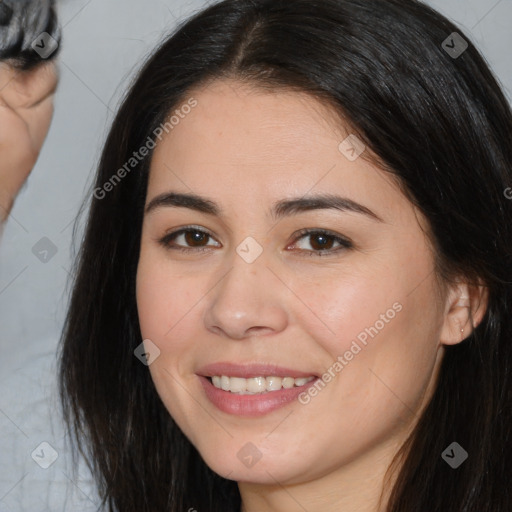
248	301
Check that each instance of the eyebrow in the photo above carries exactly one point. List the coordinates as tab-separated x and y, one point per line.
280	209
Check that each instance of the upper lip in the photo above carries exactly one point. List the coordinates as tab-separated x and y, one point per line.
250	370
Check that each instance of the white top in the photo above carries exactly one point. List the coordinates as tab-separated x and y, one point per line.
35	462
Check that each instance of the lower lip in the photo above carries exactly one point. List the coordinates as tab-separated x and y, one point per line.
251	405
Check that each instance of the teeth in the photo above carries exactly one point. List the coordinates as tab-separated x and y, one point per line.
236	384
274	383
288	382
301	382
256	385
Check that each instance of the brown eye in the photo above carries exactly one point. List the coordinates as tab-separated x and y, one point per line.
189	239
195	237
322	242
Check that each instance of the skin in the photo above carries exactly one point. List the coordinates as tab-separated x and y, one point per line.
246	149
26	109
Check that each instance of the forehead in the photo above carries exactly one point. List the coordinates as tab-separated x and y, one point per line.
241	142
288	124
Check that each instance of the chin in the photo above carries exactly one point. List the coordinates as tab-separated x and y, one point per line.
246	465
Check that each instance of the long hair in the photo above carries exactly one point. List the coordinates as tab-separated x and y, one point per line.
437	121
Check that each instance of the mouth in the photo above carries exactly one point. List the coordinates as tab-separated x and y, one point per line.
257	385
252	389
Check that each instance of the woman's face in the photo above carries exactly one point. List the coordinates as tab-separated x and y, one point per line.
256	299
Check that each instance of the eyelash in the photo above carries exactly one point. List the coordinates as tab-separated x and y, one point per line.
344	243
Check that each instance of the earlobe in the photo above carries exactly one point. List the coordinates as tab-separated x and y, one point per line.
465	308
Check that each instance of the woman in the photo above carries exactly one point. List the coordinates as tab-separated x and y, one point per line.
294	288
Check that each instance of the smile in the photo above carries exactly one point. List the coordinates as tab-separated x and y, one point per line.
257	385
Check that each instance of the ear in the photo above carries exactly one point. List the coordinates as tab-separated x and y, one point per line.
465	308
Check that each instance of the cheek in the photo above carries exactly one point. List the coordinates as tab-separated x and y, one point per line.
168	305
159	300
164	303
352	306
379	331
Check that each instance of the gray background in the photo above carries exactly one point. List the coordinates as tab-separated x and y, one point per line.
104	42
